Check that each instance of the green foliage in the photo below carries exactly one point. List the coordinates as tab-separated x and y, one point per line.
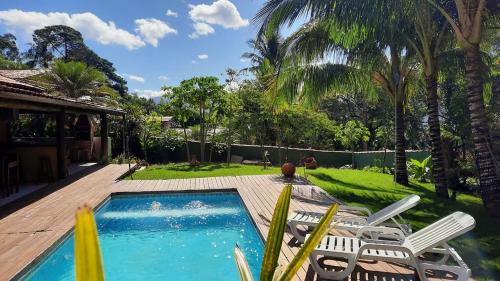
8	47
75	79
270	270
203	95
420	171
65	43
352	133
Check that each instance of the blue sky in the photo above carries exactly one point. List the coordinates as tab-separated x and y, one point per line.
147	45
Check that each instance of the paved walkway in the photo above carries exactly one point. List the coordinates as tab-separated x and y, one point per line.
26	233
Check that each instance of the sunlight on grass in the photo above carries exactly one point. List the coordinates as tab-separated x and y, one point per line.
479	248
184	171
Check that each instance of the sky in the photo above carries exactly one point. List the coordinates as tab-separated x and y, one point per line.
150	42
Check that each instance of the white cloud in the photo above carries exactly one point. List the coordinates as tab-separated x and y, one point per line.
134	77
153	29
171	13
201	29
194	62
220	12
91	26
163	77
149	94
203	56
245	60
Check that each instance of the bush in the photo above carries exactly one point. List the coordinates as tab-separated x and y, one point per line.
374	169
420	171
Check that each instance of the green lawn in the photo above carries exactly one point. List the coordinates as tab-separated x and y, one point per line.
480	248
184	171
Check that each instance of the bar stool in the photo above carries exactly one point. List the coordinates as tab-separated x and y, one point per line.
13	165
10	176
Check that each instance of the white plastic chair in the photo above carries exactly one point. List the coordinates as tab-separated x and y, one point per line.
431	239
354	223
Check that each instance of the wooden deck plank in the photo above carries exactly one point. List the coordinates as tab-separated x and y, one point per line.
28	232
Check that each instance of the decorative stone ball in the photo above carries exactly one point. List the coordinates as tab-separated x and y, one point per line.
288	169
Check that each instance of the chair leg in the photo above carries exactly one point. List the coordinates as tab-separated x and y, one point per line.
334	275
295	232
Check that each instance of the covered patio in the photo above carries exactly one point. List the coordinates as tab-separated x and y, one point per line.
76	137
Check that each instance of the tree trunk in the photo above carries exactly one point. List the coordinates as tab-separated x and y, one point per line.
385	157
400	172
188	154
212	145
438	167
486	163
202	134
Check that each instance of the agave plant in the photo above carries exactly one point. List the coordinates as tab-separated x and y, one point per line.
88	260
270	270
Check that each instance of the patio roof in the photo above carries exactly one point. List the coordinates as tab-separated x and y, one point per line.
19	95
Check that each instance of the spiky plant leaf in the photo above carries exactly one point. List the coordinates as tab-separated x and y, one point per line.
275	235
88	260
243	267
311	243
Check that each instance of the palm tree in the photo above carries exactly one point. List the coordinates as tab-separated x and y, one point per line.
75	79
431	36
369	39
467	22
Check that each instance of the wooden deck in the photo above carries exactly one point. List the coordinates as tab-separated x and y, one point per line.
26	233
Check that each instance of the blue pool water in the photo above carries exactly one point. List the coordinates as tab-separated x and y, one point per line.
165	237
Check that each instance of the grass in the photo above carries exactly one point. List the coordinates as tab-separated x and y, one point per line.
480	248
185	171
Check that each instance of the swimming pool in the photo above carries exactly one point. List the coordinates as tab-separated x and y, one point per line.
175	236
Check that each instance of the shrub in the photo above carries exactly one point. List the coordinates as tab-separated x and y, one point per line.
420	171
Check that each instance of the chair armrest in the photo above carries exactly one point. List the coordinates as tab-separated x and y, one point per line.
351	219
406	228
379	231
377	246
355	209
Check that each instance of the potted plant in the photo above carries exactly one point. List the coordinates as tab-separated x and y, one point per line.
288	169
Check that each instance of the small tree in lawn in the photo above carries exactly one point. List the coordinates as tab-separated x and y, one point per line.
151	127
351	134
384	135
203	94
181	109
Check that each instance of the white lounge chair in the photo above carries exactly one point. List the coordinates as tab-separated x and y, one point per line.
431	239
353	223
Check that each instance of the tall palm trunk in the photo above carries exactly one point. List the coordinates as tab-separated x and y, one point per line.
188	154
399	92
400	173
438	166
486	162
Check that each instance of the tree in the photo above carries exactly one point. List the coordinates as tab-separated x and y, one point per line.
467	24
204	94
384	135
151	127
432	35
351	134
368	37
8	47
181	109
75	79
65	43
52	42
